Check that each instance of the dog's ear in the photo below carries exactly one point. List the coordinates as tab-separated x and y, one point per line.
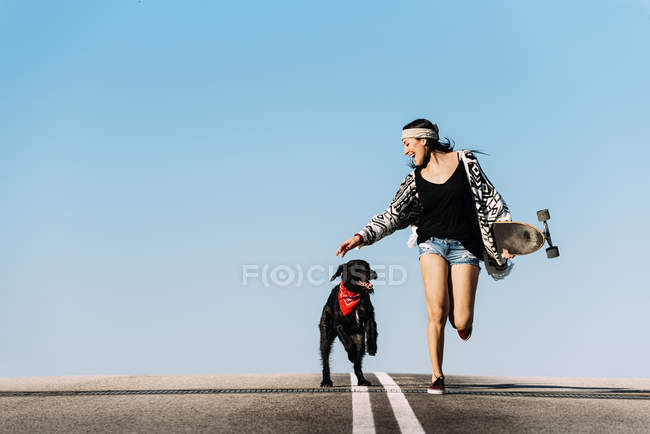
338	272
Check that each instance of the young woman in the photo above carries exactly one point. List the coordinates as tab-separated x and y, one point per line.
450	204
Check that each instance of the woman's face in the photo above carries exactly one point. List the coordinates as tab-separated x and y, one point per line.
415	148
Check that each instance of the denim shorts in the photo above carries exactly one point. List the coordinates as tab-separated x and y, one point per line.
451	250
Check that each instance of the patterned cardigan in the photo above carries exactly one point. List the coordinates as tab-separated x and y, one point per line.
406	207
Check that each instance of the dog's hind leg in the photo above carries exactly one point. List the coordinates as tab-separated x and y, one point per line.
356	355
327	336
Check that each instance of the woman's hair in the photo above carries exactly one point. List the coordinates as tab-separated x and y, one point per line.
446	145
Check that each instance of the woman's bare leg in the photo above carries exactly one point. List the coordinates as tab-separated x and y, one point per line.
464	279
435	271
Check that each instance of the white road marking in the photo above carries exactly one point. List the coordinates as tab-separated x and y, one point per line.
362	421
406	419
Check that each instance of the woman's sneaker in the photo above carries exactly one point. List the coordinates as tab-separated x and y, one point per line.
465	334
437	387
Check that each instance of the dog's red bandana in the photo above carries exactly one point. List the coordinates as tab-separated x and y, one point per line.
347	299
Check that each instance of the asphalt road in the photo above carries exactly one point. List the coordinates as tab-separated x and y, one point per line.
295	403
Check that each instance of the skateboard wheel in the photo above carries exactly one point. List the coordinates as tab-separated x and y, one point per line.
543	215
552	252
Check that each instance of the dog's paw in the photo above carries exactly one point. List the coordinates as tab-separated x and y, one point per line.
326	383
364	382
372	350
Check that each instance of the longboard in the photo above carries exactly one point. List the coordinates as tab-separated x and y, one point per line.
517	237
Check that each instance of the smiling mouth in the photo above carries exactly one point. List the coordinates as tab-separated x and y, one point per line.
364	284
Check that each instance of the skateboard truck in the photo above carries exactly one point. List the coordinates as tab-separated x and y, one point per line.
552	251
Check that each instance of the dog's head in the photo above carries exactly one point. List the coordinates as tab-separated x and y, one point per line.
356	275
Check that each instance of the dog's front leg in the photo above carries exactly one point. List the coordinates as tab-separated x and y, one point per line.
327	336
371	335
359	350
343	336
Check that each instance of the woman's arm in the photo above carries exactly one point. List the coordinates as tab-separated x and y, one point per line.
497	208
400	213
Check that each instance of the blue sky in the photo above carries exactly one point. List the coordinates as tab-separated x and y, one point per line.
149	150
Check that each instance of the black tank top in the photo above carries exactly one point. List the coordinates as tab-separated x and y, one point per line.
448	211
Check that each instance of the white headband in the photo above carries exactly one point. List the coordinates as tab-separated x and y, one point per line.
419	133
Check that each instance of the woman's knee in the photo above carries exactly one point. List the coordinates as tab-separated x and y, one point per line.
437	315
462	321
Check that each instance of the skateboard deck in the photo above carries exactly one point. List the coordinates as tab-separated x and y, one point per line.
517	237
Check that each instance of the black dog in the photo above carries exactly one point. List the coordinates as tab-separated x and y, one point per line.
351	317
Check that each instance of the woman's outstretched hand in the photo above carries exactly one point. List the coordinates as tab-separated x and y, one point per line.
506	254
348	245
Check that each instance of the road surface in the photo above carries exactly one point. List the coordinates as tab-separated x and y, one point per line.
397	402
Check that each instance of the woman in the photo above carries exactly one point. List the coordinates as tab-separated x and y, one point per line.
450	204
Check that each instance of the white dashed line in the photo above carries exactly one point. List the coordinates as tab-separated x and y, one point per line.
406	419
362	421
